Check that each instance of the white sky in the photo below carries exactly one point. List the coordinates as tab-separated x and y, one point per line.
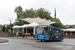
65	9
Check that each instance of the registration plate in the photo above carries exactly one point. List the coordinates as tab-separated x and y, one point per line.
41	36
56	36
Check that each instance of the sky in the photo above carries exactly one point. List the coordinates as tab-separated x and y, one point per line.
65	9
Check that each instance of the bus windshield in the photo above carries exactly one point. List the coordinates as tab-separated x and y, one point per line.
41	30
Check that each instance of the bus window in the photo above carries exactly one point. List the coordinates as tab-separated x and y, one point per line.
52	31
42	30
61	33
56	32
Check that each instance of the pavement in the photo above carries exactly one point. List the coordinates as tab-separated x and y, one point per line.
3	40
22	44
26	38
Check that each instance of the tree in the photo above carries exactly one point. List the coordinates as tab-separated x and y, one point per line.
23	14
70	26
3	28
7	28
42	13
18	10
31	13
58	24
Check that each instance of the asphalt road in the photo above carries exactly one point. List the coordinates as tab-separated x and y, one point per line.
3	40
22	44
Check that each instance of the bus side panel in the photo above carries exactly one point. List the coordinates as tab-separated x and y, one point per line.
58	37
61	37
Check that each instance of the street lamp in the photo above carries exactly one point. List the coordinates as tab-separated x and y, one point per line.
10	25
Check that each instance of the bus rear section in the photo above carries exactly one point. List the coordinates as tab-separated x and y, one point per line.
41	33
56	34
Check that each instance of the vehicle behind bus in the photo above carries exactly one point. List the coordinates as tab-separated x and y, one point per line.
46	32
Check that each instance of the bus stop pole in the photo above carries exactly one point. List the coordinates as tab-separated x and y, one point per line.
66	34
26	32
71	34
23	32
34	32
13	32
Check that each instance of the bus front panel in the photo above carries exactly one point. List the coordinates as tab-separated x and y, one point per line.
42	33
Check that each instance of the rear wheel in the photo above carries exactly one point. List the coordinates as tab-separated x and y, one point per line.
60	39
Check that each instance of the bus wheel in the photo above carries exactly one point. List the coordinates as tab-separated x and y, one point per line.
40	40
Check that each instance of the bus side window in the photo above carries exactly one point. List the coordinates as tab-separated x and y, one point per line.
56	32
61	33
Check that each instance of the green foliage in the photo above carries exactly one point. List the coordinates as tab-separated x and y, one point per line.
21	23
42	13
3	28
31	13
7	28
56	20
18	11
59	25
70	26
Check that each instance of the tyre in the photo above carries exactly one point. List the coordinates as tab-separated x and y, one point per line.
41	40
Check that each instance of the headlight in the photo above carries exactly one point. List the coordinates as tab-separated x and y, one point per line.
45	36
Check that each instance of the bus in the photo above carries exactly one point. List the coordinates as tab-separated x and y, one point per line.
46	32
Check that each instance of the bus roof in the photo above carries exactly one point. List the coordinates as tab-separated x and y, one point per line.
51	27
55	28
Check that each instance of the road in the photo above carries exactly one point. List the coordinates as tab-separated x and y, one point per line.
22	44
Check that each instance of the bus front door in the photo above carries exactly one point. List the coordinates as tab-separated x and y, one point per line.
49	33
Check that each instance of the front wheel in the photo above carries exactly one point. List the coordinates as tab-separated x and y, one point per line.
40	40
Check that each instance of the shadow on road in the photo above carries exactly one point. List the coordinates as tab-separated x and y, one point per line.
48	41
